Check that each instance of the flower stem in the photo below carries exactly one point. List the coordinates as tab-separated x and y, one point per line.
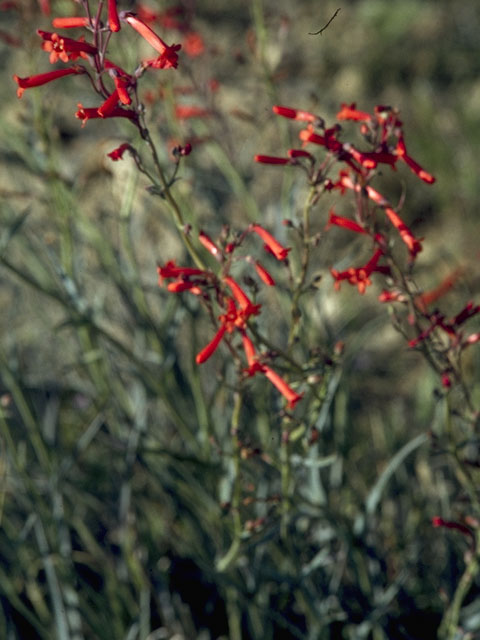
224	563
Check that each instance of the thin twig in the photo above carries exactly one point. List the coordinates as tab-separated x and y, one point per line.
316	33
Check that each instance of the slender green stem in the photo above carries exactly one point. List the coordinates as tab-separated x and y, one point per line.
449	625
232	553
305	259
172	203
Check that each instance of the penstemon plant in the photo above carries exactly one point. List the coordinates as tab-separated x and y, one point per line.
258	296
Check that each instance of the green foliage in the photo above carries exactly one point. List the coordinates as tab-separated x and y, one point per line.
146	497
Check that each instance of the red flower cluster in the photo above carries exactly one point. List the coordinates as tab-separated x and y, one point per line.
450	327
383	131
236	305
117	101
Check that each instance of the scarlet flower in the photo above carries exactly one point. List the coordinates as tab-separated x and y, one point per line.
446	381
117	154
168	57
423	300
122	85
296	114
401	151
414	245
370	159
346	223
207	351
263	274
185	112
193	44
90	113
44	7
449	524
246	305
113	21
465	314
271	160
209	245
291	396
391	296
70	23
349	112
114	68
65	49
167	60
44	78
107	107
359	276
256	367
279	251
177	286
249	353
300	153
171	270
309	135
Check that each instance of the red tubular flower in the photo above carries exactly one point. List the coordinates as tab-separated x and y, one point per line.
291	396
249	353
296	114
70	23
465	314
370	159
359	276
207	351
107	107
263	274
279	251
44	78
193	44
300	153
113	21
414	245
64	49
184	285
309	135
168	57
445	380
209	245
423	300
117	154
167	60
346	223
246	305
121	85
171	270
349	112
185	112
449	524
271	160
391	296
144	30
85	113
44	7
401	151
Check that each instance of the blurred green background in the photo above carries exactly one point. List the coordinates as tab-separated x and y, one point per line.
116	458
